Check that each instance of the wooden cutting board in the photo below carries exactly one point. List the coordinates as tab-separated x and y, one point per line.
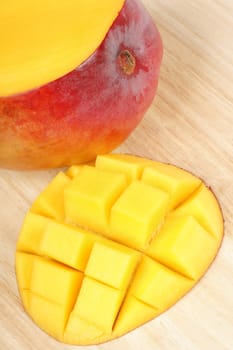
190	124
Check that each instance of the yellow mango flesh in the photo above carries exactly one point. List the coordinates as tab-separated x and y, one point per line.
108	247
43	40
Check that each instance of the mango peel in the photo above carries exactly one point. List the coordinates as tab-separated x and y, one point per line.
108	247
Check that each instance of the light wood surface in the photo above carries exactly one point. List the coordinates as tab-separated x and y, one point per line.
190	124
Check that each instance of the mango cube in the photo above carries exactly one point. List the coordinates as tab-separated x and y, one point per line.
90	195
202	205
152	281
112	266
131	166
137	214
176	182
107	247
73	171
80	331
49	316
133	314
70	246
55	282
24	265
32	232
181	245
98	304
50	202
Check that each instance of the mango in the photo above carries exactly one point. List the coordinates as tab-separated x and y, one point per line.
76	78
109	246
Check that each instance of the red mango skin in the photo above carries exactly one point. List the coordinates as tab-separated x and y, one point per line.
92	109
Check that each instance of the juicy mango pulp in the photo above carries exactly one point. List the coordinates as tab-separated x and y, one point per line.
105	248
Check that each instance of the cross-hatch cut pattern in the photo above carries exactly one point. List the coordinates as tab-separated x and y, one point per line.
106	248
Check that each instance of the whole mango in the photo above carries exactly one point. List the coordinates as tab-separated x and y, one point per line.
76	77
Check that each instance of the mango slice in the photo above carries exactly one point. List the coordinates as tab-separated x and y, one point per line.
43	40
109	246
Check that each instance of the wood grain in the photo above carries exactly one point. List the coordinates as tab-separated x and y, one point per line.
190	124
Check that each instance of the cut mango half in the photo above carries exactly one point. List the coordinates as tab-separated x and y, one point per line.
43	40
110	246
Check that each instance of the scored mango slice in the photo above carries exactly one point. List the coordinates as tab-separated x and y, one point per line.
108	247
